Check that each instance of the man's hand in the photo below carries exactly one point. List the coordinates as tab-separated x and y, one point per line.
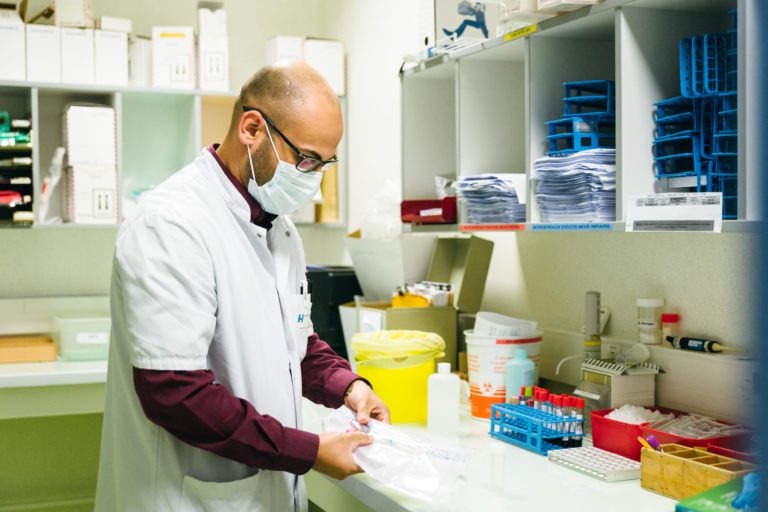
334	455
361	399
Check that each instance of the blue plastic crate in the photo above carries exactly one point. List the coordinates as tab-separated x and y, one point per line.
530	428
589	97
727	120
703	65
726	144
705	123
678	156
578	133
728	185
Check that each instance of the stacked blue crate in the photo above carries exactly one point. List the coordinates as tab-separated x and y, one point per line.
696	134
589	118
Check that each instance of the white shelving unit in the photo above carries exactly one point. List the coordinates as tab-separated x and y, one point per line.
484	110
158	131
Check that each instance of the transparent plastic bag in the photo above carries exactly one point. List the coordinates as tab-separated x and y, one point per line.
403	462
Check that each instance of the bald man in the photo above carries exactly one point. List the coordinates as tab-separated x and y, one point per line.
212	345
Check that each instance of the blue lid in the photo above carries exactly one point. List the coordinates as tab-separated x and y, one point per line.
521	353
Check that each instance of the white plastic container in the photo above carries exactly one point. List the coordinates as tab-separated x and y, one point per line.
487	358
82	338
520	371
443	401
649	320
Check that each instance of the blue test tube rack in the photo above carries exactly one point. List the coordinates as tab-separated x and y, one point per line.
530	428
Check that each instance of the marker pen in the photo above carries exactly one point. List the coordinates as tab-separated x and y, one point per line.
697	344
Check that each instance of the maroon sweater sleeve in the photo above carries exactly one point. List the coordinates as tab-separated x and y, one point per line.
325	375
194	408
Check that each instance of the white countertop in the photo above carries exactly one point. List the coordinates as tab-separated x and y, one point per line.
54	373
502	477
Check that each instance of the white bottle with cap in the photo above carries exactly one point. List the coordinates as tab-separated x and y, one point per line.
443	401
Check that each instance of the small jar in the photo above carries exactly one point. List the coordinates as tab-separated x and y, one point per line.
670	325
649	320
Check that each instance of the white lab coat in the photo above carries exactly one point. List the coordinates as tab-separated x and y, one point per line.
196	286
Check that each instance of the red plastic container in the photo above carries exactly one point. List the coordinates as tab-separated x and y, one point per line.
739	446
668	437
619	437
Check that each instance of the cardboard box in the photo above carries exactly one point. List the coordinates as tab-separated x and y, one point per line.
90	195
173	57
462	261
73	13
26	349
383	265
77	56
43	53
115	24
90	136
213	50
327	57
12	37
111	57
140	61
285	48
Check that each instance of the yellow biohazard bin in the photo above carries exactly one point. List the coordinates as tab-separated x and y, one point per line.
398	364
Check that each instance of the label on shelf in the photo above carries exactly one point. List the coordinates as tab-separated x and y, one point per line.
588	226
492	227
695	211
521	32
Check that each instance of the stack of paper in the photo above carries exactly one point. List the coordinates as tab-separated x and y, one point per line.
580	187
493	198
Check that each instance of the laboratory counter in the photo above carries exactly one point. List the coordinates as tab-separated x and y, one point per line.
499	477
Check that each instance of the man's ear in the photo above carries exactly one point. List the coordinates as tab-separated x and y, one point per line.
248	129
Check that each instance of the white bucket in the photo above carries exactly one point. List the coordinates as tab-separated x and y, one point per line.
487	358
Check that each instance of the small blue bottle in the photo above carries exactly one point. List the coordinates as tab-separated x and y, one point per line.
519	371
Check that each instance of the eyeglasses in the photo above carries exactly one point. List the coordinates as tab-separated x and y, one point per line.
306	163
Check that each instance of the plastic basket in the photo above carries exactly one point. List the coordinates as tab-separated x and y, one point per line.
678	156
591	97
616	436
705	123
531	428
578	133
727	115
703	65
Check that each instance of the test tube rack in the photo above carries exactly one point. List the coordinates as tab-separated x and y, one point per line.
532	429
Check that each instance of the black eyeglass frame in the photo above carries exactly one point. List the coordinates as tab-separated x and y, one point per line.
316	164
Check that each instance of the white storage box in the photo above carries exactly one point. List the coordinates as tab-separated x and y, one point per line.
82	338
13	64
77	56
327	57
111	57
213	50
73	13
564	5
115	24
173	57
43	53
140	61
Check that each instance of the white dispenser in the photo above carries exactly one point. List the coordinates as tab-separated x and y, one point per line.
443	401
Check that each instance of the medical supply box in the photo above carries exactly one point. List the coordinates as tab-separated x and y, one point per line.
26	348
383	265
82	338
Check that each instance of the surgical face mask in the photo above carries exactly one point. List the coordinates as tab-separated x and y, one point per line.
288	190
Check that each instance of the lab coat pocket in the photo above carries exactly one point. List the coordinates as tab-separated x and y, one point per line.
250	494
301	322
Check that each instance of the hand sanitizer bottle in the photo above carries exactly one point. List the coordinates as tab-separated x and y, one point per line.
443	401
